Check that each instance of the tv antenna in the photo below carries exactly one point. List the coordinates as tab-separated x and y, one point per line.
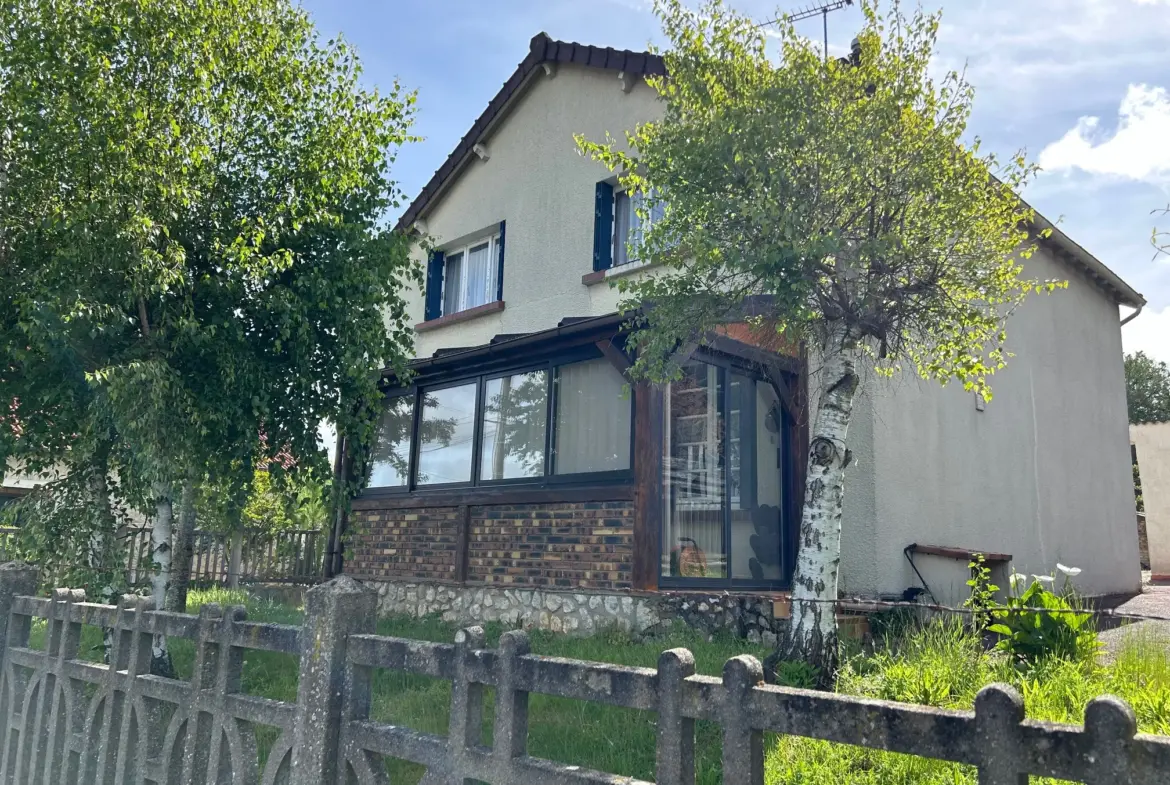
808	12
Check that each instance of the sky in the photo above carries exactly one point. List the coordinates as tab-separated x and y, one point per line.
1083	86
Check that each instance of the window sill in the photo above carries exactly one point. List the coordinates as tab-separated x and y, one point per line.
460	316
601	276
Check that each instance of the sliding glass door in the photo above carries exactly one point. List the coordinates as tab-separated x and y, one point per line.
722	480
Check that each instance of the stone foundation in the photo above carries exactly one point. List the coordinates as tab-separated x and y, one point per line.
579	612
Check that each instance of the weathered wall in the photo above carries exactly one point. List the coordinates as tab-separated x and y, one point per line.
585	545
1152	441
405	543
570	545
1043	473
536	181
583	612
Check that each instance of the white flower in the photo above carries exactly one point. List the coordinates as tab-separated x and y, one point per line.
1071	572
1016	579
1043	578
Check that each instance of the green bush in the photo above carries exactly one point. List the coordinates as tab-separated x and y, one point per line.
1054	629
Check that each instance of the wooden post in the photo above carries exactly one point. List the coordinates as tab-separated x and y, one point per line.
648	446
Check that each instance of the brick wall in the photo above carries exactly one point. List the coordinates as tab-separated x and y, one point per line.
409	543
585	545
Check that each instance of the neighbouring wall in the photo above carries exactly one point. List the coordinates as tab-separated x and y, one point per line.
1152	441
1043	473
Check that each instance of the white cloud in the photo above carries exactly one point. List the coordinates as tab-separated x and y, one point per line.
1137	150
1149	333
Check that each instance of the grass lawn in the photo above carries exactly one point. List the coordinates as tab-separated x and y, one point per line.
939	665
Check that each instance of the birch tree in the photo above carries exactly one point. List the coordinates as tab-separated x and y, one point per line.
194	248
846	199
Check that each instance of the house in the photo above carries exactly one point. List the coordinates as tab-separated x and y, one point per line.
514	479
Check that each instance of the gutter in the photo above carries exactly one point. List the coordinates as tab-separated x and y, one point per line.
492	349
1133	315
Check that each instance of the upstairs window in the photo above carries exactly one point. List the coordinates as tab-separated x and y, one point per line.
629	228
618	229
469	276
465	276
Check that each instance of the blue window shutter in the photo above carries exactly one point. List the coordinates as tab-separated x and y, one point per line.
500	268
434	308
603	227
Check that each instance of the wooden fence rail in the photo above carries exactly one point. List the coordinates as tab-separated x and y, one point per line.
65	720
253	556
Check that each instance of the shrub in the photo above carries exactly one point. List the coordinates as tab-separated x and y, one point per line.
982	598
1057	628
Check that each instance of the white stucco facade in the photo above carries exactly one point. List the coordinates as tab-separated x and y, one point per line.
1042	473
535	180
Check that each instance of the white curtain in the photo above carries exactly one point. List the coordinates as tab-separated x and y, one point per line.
593	419
479	275
453	284
622	216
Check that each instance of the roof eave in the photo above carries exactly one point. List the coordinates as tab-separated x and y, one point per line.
1072	252
541	49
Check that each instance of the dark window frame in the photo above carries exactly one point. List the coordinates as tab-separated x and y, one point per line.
416	442
729	364
547	480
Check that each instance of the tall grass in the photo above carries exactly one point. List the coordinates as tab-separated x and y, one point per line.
938	664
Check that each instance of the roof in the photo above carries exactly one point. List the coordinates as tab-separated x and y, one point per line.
542	50
1071	253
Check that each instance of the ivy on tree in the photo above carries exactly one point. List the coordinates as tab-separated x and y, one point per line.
844	200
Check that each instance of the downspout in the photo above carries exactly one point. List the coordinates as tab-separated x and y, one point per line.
1133	315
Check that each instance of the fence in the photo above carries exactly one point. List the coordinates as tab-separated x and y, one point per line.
64	720
290	556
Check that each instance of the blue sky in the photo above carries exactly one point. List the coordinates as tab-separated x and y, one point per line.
1082	85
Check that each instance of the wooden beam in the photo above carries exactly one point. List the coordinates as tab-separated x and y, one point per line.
763	357
617	491
962	554
648	445
463	543
617	358
776	379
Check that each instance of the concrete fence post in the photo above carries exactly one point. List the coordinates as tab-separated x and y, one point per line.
675	763
1110	725
743	744
16	579
333	611
466	725
510	732
999	710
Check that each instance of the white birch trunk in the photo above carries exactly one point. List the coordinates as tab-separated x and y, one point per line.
812	634
160	548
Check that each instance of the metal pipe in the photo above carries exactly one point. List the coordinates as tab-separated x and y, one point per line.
1133	315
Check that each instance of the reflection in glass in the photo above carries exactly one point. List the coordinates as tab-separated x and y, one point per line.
390	462
446	435
692	540
592	419
756	455
514	424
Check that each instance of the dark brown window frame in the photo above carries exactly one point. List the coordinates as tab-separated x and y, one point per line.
547	480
